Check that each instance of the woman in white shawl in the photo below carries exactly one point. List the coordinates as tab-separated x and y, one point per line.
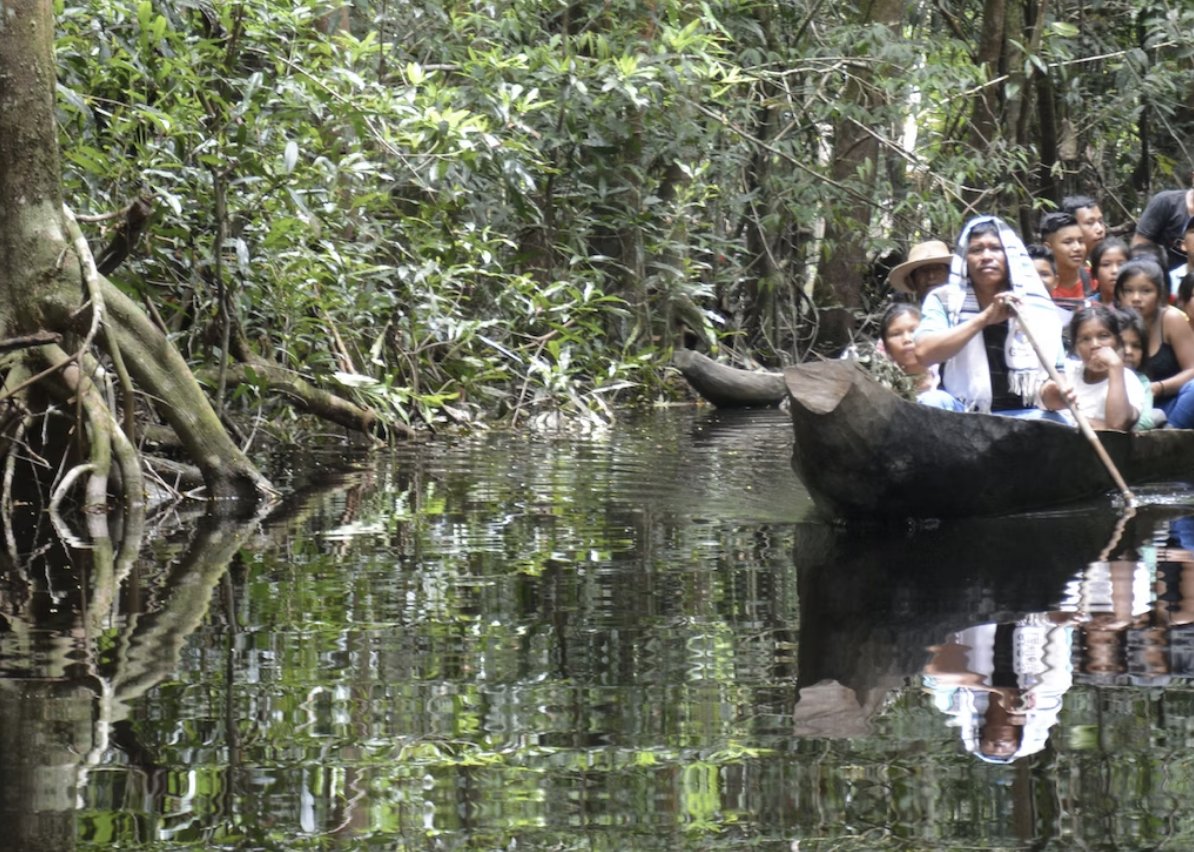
970	324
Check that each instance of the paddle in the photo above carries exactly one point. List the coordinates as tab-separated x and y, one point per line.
1083	424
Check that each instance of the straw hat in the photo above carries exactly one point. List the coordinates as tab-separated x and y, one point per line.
921	254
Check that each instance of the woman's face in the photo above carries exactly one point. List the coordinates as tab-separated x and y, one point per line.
1140	293
900	342
986	262
1090	337
1108	267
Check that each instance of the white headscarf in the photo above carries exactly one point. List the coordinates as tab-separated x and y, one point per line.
968	376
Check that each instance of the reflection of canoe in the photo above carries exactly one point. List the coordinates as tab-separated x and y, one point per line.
872	602
729	387
864	452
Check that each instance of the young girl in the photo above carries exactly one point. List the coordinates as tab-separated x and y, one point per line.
1098	384
1169	359
897	330
1105	260
1135	339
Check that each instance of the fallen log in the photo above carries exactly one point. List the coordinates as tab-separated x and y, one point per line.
729	387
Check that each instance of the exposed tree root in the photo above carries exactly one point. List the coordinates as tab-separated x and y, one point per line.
28	341
160	370
311	399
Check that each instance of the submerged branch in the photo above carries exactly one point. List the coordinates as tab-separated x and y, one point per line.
311	399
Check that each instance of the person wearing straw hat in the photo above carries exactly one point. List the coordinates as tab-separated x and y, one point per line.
927	267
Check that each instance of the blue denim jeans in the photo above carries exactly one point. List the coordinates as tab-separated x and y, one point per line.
940	399
1179	408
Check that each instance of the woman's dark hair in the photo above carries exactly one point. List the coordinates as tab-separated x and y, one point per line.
1185	290
1105	245
1150	269
1040	251
894	312
1111	319
983	228
1150	251
1130	320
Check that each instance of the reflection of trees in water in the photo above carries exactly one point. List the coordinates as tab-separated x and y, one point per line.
88	630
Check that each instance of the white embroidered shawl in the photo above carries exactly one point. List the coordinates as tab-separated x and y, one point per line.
968	375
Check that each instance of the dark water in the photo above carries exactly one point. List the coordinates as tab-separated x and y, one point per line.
632	641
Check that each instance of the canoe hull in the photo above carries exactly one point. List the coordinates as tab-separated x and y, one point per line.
865	453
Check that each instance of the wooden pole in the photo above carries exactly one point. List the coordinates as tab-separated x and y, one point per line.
1083	424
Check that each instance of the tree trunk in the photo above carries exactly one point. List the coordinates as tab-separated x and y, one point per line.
49	283
854	162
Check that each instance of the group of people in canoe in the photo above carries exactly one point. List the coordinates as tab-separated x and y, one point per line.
978	327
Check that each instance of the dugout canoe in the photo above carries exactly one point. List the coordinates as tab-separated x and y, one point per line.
865	453
729	387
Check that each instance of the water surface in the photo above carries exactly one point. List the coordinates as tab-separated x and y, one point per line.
640	640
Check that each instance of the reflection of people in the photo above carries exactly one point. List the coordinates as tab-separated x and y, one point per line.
1003	683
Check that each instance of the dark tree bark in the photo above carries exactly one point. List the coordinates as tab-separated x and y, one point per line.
50	284
854	161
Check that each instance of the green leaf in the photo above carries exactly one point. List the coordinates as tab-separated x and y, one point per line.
290	156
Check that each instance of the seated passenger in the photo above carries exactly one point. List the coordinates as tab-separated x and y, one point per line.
986	364
1046	267
1105	260
1045	263
897	330
1180	271
927	267
1135	339
1185	295
1169	361
1061	233
1089	215
1098	384
1148	251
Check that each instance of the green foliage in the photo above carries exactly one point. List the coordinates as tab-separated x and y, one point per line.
521	206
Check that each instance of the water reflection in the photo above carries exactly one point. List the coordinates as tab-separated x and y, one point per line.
992	620
632	643
1002	684
84	637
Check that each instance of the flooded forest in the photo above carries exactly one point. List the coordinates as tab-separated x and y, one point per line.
350	495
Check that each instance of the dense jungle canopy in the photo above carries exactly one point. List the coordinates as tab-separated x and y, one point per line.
400	216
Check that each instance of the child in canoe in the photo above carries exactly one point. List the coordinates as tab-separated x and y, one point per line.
897	331
1134	335
1096	379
